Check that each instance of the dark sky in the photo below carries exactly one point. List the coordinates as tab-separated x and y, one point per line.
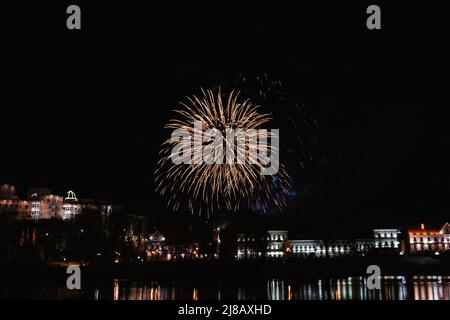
84	110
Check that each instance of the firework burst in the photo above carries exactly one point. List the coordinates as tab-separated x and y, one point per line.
208	187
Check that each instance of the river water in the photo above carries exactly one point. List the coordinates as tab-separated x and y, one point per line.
431	287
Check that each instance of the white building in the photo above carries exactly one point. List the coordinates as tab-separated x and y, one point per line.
364	245
386	238
247	247
46	206
307	248
274	244
277	243
71	207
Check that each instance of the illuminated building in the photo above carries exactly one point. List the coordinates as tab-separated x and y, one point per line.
364	245
271	245
277	242
35	207
308	248
45	205
253	245
7	191
91	205
279	246
156	246
11	204
38	192
249	246
50	206
423	240
20	208
386	238
321	248
42	204
70	208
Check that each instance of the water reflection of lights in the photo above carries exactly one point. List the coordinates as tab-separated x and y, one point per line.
154	293
393	288
116	290
195	294
355	288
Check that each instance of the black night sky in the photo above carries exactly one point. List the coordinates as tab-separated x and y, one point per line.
85	111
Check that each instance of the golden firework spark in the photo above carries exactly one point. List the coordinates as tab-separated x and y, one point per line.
208	187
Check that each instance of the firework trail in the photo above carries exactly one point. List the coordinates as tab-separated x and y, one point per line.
206	188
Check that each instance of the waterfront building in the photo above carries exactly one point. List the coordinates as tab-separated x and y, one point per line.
308	248
50	207
387	238
7	191
156	246
38	192
277	243
429	240
322	248
273	244
45	205
10	204
364	246
42	204
248	246
71	207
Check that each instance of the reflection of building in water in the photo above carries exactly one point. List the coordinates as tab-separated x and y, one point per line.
429	239
355	288
431	288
